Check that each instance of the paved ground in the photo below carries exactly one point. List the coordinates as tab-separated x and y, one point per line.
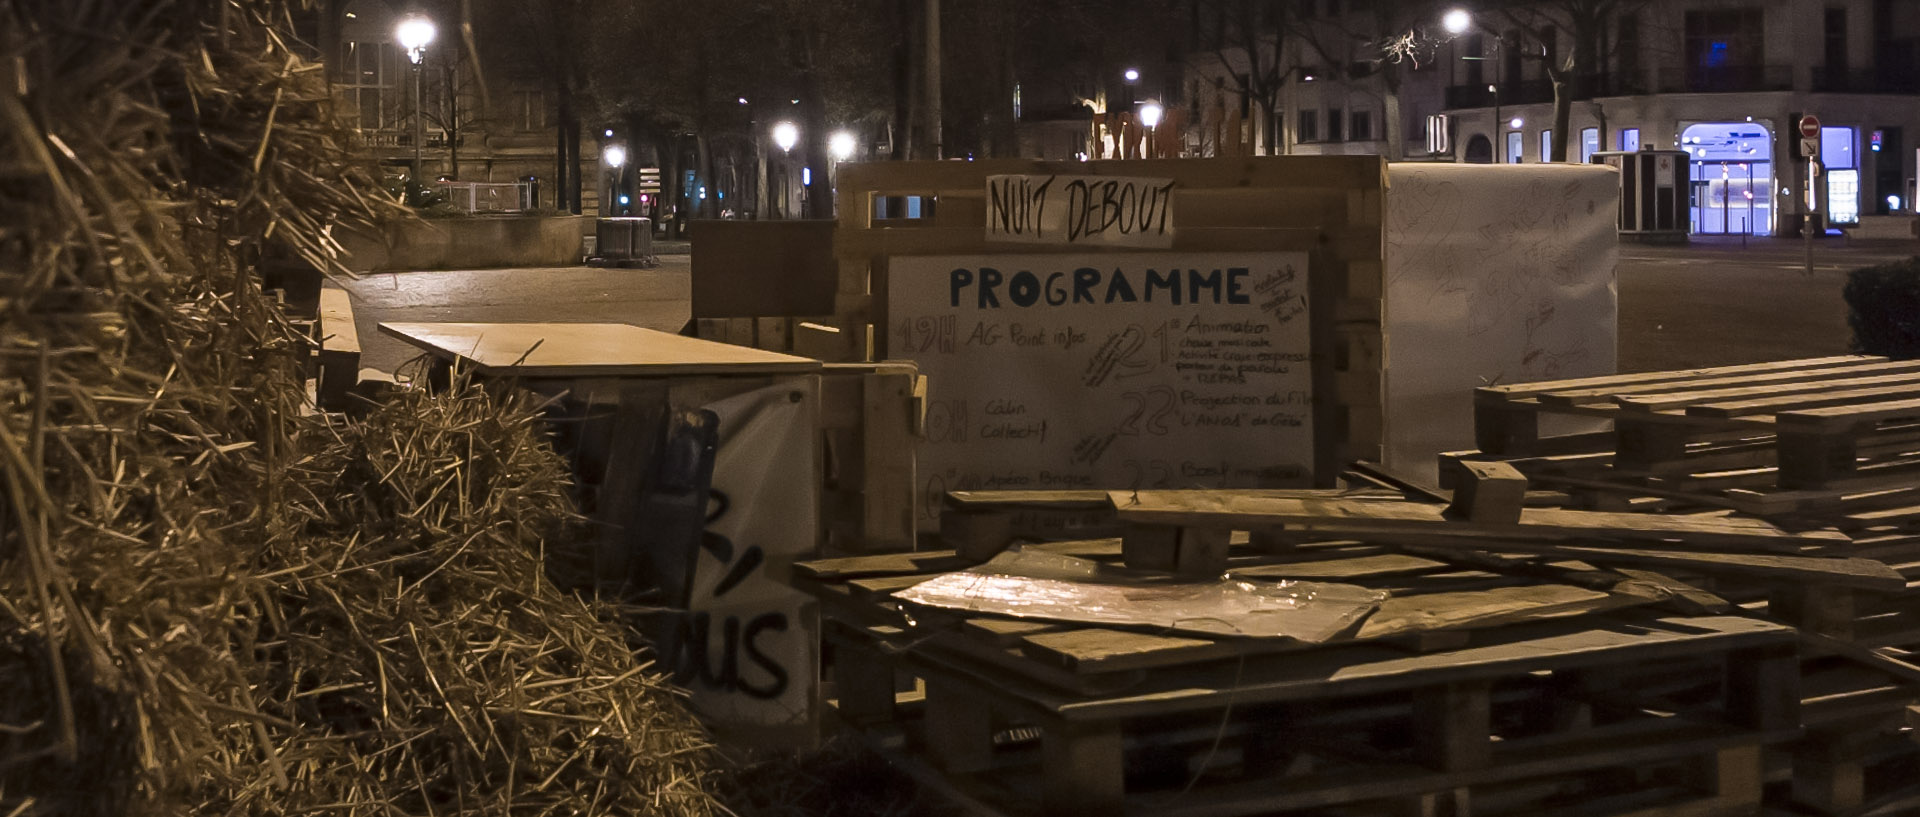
1714	302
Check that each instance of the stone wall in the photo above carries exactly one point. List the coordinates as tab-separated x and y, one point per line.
477	242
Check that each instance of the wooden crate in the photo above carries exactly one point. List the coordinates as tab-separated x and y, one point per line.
1470	717
870	420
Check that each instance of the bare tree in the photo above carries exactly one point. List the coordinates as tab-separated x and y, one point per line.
1571	38
1248	39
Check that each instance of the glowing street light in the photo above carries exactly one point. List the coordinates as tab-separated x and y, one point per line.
1132	75
786	135
415	33
1456	21
1150	114
842	145
614	156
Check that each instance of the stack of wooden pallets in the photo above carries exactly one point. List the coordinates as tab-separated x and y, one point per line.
1827	444
1520	679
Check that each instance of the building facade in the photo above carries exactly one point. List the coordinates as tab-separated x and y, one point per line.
484	121
1725	80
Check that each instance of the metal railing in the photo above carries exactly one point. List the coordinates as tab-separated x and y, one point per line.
487	197
1728	78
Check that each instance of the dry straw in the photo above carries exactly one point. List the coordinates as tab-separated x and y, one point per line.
207	605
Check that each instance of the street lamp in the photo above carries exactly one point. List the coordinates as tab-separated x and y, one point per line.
1150	114
414	33
1132	75
841	146
786	135
1457	22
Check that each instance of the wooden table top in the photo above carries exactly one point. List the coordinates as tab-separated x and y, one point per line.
588	350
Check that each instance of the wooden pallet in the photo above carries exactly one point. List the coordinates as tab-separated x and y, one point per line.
1823	423
1823	444
1445	705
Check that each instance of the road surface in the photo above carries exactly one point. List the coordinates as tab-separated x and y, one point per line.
1714	302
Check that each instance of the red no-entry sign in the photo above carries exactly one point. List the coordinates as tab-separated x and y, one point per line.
1810	126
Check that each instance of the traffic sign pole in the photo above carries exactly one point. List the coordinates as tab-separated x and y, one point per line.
1810	148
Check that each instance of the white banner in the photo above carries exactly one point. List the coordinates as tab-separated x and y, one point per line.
752	659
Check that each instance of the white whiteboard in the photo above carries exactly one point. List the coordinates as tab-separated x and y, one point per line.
1107	370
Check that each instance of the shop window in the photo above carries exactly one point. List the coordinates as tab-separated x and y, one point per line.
1336	125
1629	138
1514	142
1362	130
1308	129
1546	145
1589	144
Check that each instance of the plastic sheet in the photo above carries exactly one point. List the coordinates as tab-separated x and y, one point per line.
1036	584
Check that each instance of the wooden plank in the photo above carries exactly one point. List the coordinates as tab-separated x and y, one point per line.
1083	768
1451	726
1363	668
1234	510
339	356
1768	399
1578	397
1488	493
1844	418
969	178
1517	391
888	487
587	350
959	728
1862	573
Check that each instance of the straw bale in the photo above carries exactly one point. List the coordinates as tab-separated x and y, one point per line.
208	605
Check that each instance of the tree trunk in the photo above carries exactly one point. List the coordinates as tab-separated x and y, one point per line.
1394	130
762	200
1269	135
703	158
902	140
1562	117
671	183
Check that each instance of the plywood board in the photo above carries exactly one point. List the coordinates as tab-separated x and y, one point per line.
587	350
1494	274
1109	370
761	269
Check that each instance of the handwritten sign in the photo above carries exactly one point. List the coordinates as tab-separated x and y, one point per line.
1102	211
1108	370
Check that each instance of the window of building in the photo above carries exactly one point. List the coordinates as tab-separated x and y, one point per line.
1629	138
1308	129
1724	49
1514	140
369	74
1476	49
1336	125
1589	143
1627	55
1362	129
1841	159
529	111
1546	145
1836	22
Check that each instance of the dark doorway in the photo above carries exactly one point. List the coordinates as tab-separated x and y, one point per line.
1479	150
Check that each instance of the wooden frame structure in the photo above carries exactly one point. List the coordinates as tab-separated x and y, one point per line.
1330	207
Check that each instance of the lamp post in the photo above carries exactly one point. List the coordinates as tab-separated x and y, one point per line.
414	33
614	156
1150	114
785	135
1457	22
